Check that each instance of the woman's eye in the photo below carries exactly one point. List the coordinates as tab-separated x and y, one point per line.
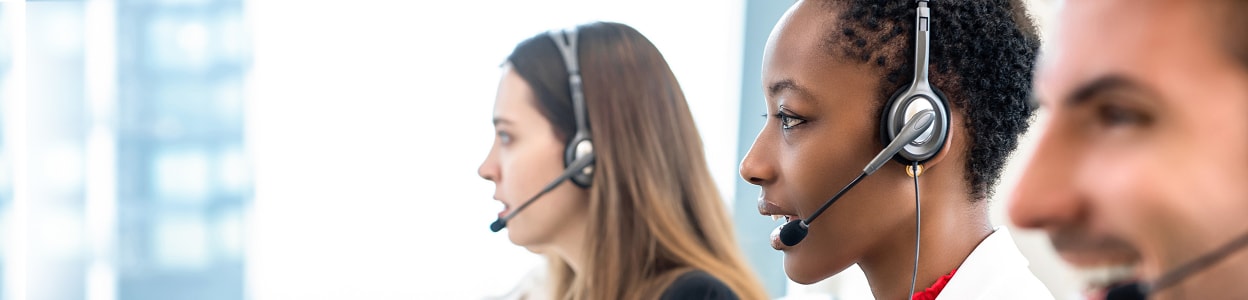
789	121
504	137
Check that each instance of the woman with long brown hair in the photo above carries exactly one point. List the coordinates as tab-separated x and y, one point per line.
638	216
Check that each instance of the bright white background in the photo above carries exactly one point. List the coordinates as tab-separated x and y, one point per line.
368	121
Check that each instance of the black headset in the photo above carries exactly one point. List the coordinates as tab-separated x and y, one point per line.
581	146
919	96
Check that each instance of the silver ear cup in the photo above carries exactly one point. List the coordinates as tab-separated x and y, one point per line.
582	149
932	140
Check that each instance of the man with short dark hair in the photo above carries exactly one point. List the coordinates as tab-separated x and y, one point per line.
1142	169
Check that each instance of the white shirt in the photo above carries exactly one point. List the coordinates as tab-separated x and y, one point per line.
995	270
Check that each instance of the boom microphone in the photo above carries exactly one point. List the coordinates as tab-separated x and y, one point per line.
573	168
794	231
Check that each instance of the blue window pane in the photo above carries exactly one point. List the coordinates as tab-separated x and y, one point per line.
190	41
233	172
6	38
185	179
179	43
181	3
194	108
228	235
182	176
181	242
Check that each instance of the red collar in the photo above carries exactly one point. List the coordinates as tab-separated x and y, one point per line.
931	292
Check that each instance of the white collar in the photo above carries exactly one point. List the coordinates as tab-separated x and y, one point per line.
994	269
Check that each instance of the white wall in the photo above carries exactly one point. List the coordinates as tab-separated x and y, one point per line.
367	120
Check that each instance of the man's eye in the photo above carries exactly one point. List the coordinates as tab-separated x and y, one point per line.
1113	116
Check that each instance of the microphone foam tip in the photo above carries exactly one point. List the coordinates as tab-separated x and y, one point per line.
498	225
792	233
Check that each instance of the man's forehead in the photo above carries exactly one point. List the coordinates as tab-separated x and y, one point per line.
1095	39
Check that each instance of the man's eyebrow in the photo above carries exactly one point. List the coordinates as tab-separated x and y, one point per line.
501	120
1102	85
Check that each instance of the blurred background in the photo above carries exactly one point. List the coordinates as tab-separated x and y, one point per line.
247	149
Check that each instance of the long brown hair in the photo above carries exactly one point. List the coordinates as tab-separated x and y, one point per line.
654	208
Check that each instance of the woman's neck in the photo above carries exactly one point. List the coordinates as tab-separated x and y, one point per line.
952	227
570	246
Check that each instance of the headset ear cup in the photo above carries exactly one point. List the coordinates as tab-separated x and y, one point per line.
944	119
943	122
886	118
580	148
893	117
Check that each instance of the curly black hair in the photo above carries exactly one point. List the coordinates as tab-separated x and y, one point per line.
982	56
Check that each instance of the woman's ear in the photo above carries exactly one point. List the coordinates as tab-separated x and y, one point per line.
955	133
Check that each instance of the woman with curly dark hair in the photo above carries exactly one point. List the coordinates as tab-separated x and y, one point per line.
918	228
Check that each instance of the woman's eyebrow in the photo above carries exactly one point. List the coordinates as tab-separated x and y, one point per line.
787	84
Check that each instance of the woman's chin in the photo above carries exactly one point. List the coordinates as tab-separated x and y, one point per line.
804	271
804	280
520	239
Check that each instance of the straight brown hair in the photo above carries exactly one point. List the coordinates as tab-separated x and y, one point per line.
655	211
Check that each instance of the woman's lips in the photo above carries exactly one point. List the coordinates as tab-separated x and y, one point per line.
767	208
506	208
